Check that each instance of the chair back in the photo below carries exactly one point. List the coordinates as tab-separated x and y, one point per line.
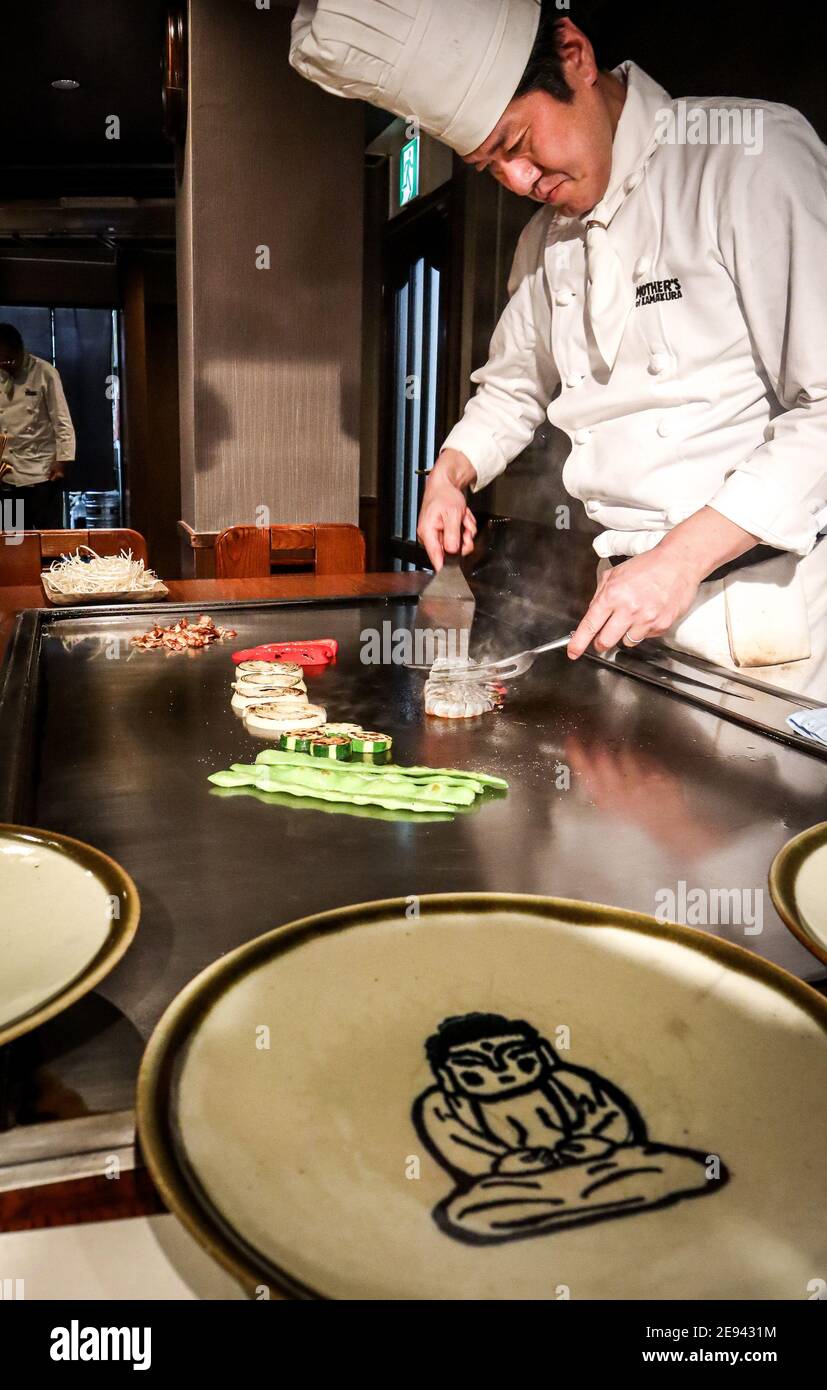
20	557
254	552
104	542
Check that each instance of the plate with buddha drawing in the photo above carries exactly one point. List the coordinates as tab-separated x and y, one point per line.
492	1096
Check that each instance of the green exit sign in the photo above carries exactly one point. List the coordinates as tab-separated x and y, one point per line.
409	172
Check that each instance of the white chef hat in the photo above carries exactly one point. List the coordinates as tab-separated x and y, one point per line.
454	65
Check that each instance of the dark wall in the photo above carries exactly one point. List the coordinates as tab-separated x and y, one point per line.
150	399
70	277
739	48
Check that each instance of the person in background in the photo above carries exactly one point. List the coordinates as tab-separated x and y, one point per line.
40	437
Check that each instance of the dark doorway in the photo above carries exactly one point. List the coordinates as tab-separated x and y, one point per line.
415	331
83	344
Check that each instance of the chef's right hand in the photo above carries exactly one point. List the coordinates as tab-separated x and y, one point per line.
446	522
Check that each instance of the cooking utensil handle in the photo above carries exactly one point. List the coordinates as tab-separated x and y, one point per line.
552	646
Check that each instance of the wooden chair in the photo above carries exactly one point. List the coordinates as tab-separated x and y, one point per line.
53	544
253	552
20	558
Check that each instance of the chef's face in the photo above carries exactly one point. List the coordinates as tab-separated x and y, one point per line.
557	152
496	1066
11	359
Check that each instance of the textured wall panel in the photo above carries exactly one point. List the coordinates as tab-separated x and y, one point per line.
272	413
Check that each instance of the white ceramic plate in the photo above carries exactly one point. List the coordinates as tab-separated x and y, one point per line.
798	884
619	1108
68	914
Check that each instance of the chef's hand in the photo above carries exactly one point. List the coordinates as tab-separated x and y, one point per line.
446	523
645	595
57	472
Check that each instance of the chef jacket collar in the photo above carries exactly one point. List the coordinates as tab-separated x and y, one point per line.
635	134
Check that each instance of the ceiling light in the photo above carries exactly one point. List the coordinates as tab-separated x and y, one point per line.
65	84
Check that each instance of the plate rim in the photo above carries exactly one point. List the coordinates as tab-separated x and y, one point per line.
783	873
117	882
165	1046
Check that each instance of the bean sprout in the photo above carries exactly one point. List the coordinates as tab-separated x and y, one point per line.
100	574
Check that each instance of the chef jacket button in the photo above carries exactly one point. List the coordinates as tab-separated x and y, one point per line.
632	182
658	362
564	296
664	427
592	507
574	379
582	436
642	267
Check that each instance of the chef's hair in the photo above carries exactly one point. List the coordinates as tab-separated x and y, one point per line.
544	70
9	336
471	1028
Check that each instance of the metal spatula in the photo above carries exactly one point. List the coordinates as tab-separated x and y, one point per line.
444	615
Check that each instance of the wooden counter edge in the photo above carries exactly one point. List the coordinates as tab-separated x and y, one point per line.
79	1200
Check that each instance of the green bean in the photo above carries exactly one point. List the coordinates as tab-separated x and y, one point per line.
343	808
367	798
275	757
231	779
324	780
487	779
339	778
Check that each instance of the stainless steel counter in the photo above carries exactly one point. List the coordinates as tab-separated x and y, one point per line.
619	794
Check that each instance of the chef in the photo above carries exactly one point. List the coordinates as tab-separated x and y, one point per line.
41	439
667	311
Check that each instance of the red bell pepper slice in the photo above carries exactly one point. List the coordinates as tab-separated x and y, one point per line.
319	652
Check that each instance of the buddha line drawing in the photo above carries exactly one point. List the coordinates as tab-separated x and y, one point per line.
535	1145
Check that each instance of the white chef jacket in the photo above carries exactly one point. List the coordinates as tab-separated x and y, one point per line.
37	420
718	395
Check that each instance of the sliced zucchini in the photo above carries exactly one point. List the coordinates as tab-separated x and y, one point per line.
348	729
295	743
367	742
326	745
